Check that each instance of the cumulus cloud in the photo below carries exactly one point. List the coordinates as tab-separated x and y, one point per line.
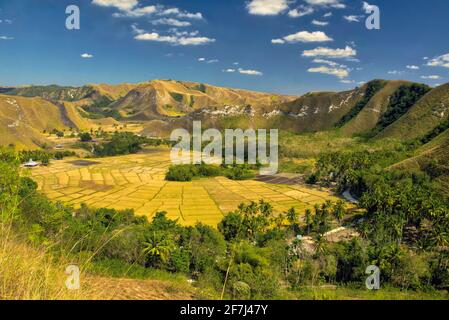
347	81
327	15
303	36
250	72
338	72
87	56
174	39
124	5
132	8
347	52
181	14
320	23
267	7
229	70
172	22
412	67
440	61
6	38
432	77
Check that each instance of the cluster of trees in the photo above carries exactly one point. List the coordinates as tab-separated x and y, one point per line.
186	172
43	156
406	219
123	143
372	88
400	102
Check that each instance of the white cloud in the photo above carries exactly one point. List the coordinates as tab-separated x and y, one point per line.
136	29
338	72
229	70
440	61
131	8
367	6
303	36
352	18
320	23
208	61
347	52
432	77
124	5
178	33
326	3
347	81
277	41
412	67
300	12
181	14
250	72
172	22
327	15
6	38
173	39
267	7
395	72
328	62
7	21
87	56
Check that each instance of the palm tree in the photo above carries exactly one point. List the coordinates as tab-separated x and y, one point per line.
321	244
158	246
339	211
308	219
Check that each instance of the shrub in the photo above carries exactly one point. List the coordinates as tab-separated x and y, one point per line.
181	173
85	137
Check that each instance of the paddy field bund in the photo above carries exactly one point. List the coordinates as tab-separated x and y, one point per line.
138	182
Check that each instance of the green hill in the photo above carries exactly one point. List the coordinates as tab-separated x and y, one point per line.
430	111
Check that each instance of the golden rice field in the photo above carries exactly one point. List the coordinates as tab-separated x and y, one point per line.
137	182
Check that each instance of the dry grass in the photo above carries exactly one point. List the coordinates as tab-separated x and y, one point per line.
30	274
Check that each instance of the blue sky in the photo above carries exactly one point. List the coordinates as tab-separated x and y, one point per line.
283	46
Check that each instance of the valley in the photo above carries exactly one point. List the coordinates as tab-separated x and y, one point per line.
101	186
138	182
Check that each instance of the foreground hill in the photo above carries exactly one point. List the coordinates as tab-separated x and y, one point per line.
23	120
423	117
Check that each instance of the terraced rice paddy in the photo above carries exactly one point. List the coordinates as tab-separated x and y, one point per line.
137	182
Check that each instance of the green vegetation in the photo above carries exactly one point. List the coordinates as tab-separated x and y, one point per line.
178	97
254	250
187	172
400	102
85	137
100	110
121	143
201	87
372	88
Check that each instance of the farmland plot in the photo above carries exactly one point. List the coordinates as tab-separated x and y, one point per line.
138	182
